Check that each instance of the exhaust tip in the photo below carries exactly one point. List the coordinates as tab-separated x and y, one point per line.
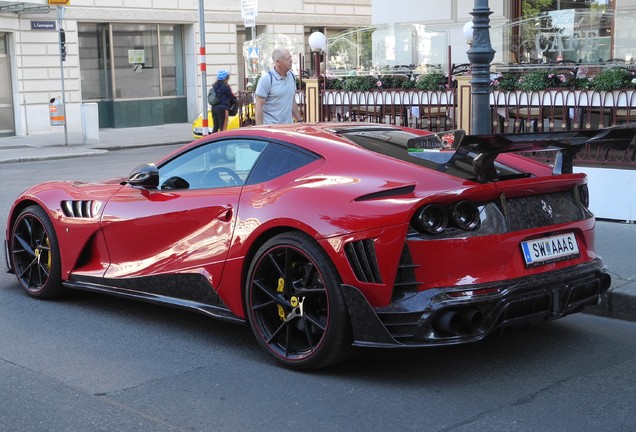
449	322
606	281
457	323
472	319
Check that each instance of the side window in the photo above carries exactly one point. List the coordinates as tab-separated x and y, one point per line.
224	163
277	160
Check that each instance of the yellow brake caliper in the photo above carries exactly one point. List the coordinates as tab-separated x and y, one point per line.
38	254
293	301
49	258
279	289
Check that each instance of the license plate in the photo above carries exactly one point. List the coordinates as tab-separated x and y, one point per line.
549	249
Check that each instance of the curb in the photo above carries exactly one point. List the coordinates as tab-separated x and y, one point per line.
95	152
619	303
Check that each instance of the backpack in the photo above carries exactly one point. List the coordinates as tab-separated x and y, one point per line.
213	99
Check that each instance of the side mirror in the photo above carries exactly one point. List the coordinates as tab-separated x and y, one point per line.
146	176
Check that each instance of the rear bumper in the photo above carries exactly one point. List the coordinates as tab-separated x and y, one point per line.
469	313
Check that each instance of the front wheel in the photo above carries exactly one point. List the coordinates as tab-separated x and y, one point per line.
35	254
294	304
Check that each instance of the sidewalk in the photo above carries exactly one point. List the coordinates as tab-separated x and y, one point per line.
614	240
53	146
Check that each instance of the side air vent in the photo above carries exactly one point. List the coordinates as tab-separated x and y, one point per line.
80	208
363	261
405	282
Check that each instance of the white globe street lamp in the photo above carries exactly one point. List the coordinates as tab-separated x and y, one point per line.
317	43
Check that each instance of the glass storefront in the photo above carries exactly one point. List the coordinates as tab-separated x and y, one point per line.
134	71
384	49
6	100
94	55
558	31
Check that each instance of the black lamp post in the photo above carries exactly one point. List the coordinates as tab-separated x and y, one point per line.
480	55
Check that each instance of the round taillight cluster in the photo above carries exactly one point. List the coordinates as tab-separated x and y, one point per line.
434	218
431	219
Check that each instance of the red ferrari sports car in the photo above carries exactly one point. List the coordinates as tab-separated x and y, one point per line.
327	237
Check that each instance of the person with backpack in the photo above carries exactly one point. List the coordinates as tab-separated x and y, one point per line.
275	100
221	93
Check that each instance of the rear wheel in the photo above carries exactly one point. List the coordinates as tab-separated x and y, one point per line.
294	303
35	253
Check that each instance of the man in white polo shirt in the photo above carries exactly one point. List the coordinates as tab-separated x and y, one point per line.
275	93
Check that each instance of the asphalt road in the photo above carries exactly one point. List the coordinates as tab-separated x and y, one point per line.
95	363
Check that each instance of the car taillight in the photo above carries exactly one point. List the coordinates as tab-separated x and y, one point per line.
465	215
434	218
431	219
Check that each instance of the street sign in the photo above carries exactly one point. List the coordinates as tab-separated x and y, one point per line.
60	2
249	9
43	25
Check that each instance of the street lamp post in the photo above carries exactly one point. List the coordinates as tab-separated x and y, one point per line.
480	55
313	86
317	43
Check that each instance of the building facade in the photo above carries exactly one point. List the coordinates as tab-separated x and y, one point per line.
138	59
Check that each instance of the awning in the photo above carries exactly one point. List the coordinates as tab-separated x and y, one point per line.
34	6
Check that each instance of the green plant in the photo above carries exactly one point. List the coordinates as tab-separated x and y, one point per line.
582	83
562	78
333	83
612	79
365	82
431	81
408	84
393	81
535	80
507	81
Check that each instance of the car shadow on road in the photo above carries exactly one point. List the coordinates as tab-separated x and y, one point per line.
502	353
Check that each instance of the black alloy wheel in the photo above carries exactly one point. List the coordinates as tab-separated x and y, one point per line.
294	303
35	254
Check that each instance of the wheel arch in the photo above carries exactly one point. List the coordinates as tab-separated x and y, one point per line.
13	216
18	207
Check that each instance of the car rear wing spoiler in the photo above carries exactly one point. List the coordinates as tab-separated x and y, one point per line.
488	147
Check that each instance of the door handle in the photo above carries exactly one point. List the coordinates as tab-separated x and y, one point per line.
226	215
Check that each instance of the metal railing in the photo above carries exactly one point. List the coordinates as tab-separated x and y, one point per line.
568	110
430	110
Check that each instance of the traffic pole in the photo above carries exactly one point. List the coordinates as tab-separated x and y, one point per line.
204	84
60	31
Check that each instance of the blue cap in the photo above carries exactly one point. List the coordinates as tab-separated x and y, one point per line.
222	75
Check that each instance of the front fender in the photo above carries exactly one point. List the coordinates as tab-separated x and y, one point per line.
74	232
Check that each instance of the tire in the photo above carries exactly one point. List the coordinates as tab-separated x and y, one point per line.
35	254
294	304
